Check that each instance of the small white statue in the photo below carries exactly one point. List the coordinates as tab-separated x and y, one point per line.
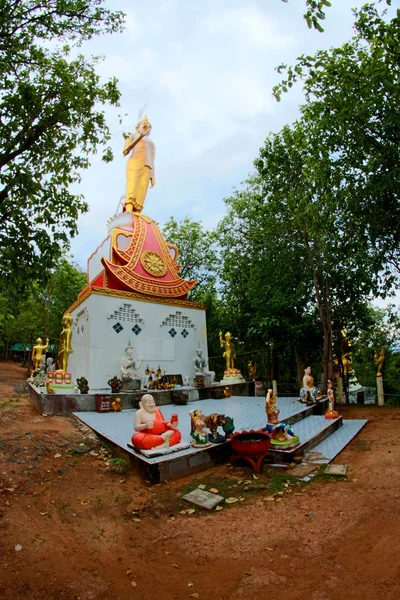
200	366
50	366
129	366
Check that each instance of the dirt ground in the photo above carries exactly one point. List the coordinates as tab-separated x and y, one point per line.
71	527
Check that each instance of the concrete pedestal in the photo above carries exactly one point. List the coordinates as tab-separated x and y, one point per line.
379	389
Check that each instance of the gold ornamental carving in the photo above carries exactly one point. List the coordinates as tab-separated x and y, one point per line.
153	263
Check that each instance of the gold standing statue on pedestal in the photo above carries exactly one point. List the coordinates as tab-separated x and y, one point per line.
140	166
37	352
64	346
229	349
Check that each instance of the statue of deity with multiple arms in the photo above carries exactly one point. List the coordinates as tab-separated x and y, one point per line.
229	349
64	344
37	352
140	166
200	366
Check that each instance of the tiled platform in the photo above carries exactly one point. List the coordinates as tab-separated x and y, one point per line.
247	412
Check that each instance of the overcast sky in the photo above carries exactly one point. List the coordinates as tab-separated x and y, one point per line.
206	69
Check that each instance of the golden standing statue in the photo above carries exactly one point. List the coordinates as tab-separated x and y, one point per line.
140	166
64	346
229	349
37	352
379	358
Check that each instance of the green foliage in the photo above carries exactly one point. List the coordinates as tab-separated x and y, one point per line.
38	311
51	121
197	253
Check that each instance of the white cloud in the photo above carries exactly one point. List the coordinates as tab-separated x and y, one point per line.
206	70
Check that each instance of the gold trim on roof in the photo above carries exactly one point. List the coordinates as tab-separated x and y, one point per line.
133	296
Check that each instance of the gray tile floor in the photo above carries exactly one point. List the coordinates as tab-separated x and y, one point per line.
332	445
247	412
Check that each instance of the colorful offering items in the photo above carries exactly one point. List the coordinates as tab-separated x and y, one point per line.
153	431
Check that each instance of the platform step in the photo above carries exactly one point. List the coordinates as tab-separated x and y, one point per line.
311	431
330	447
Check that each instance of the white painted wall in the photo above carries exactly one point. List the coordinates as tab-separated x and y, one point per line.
98	348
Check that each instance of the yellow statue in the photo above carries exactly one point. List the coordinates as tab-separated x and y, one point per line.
37	352
64	345
252	368
229	349
140	166
379	357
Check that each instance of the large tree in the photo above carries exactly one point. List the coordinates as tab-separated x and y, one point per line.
353	101
51	121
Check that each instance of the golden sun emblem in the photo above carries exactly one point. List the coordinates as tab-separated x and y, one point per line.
153	263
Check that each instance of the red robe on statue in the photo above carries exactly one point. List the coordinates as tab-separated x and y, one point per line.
151	438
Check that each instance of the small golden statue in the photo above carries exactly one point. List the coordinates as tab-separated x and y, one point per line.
229	349
379	358
252	369
49	389
140	166
64	345
37	352
116	405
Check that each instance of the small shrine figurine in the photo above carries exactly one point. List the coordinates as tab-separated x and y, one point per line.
379	358
49	389
309	393
198	433
331	413
115	384
229	349
140	166
153	431
37	352
116	405
83	385
64	344
252	369
129	367
200	366
282	435
227	392
50	366
213	421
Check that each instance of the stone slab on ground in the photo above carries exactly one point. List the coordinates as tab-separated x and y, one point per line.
303	470
203	498
336	470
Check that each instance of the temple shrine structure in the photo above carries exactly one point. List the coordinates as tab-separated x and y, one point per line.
134	294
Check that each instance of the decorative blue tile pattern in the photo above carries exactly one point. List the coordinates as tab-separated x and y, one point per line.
172	332
184	333
117	327
136	329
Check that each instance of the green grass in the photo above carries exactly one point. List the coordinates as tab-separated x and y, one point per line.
119	465
8	404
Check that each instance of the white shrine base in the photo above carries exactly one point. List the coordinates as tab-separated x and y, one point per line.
165	333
